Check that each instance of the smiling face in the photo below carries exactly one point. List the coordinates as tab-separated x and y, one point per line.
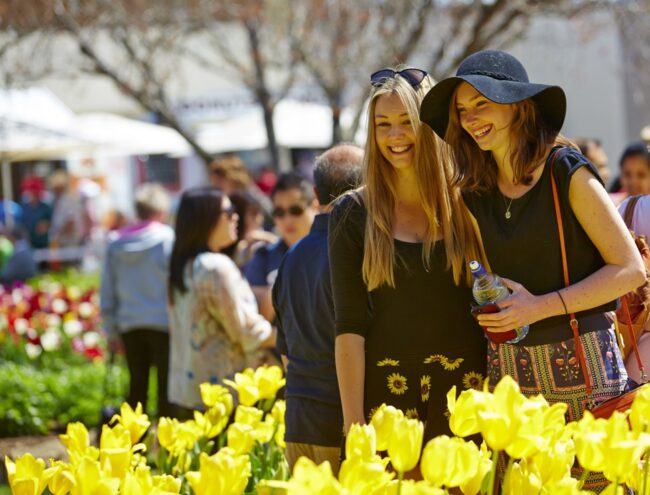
394	131
488	123
224	232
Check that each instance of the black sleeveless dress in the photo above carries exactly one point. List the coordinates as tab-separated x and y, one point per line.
420	337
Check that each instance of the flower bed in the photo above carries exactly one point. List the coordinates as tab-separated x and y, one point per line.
207	456
52	349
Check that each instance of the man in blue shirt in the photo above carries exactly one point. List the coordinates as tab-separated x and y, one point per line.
294	208
302	297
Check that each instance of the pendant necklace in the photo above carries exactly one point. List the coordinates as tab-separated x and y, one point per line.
507	205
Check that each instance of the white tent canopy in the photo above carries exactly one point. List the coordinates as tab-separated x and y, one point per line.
122	136
35	124
297	125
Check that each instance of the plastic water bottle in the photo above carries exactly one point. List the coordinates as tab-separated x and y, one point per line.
489	288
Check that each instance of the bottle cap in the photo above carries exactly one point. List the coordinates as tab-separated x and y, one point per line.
476	268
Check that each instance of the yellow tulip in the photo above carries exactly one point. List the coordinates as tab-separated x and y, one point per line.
135	421
27	475
225	473
62	480
555	420
207	427
522	481
565	486
410	487
449	462
76	438
554	463
272	487
529	437
501	414
360	442
463	412
472	485
167	432
212	395
384	421
624	449
240	438
405	444
188	434
77	442
310	479
264	431
279	436
166	483
589	438
269	380
640	410
115	449
246	387
250	416
90	480
279	410
363	476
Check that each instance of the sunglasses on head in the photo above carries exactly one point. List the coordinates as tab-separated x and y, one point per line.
413	76
293	210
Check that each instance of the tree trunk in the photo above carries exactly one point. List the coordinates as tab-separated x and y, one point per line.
262	93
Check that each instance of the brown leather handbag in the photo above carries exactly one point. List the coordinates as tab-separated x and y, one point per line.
622	402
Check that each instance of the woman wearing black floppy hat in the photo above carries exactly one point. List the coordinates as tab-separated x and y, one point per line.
504	136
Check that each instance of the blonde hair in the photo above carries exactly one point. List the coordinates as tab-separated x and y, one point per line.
446	212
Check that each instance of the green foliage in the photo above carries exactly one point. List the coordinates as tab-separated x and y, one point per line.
38	399
68	278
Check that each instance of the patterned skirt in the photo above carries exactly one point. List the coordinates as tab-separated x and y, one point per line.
553	370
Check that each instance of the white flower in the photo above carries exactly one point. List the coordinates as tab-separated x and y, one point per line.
86	310
51	339
72	328
53	320
3	322
32	350
59	306
17	295
21	325
90	339
31	333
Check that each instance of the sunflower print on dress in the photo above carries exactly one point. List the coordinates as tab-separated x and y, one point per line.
397	384
473	380
412	413
388	362
445	362
425	387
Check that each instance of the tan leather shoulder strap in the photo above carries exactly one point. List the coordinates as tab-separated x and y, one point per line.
629	211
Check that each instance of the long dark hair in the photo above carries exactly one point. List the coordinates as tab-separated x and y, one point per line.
198	213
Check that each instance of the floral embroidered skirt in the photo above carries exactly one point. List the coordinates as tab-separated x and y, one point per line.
553	370
418	385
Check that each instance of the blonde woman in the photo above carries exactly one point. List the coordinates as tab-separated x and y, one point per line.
398	250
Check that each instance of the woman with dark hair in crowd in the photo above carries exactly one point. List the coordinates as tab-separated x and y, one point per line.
510	161
214	323
250	232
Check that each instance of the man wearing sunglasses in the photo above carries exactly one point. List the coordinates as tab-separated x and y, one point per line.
302	296
294	208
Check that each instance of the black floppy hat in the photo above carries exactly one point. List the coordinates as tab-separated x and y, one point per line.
499	77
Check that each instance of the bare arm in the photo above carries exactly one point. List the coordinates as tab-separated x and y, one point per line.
350	370
264	302
623	271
